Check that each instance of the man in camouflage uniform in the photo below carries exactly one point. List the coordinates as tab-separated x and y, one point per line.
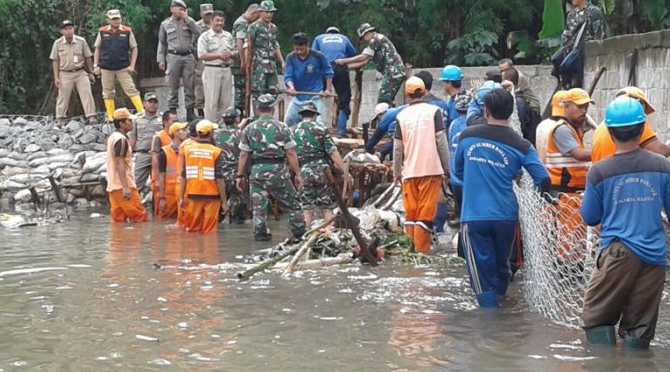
240	28
265	51
206	11
269	145
314	147
228	140
583	11
386	58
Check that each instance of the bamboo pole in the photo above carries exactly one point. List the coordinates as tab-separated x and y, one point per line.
303	249
346	179
383	196
267	264
393	198
358	94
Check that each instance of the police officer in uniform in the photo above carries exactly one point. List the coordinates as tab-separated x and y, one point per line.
175	52
114	59
69	54
204	23
147	125
269	145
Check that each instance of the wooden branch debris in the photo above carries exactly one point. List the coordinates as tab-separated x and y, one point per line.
366	255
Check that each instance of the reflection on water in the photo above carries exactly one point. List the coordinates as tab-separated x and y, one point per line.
84	296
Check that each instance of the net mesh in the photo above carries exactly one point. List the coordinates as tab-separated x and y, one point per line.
559	249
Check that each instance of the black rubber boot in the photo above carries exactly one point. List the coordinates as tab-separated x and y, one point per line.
263	237
601	336
631	343
190	115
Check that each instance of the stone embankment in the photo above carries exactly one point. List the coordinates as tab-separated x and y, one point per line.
33	150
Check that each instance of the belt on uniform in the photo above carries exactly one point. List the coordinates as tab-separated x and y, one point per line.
303	160
75	70
179	52
267	161
220	66
142	151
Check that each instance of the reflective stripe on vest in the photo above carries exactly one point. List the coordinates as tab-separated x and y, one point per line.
564	170
200	162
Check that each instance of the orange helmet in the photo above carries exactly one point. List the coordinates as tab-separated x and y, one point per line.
638	94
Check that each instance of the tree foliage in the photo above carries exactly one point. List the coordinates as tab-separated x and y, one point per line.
426	32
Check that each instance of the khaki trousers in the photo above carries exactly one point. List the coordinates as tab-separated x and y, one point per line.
68	82
218	87
124	79
623	287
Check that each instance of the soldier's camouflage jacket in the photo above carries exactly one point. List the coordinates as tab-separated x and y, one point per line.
266	138
264	46
385	57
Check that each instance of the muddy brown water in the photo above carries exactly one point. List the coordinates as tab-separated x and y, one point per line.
83	295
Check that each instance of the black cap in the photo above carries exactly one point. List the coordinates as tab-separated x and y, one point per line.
300	38
66	23
494	74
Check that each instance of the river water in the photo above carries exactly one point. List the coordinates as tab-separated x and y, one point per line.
83	295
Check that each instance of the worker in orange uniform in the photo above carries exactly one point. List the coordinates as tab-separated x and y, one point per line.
169	173
202	181
548	124
180	164
123	196
420	161
603	146
567	160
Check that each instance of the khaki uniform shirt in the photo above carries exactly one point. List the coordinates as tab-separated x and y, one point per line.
131	40
71	56
176	35
211	42
144	131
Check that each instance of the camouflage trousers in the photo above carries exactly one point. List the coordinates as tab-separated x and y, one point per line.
389	89
237	202
281	190
239	82
261	82
316	194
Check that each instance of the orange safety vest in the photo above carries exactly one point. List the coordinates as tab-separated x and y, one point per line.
200	165
165	138
565	171
113	179
172	171
165	141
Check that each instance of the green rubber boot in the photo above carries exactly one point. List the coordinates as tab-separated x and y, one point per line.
601	336
631	343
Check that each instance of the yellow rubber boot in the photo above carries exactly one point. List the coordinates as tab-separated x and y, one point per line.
110	107
137	102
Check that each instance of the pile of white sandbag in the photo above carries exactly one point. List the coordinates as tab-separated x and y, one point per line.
33	149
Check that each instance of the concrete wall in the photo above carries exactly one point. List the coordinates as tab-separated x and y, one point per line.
541	80
651	73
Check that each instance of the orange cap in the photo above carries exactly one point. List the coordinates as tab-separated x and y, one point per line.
205	127
123	113
638	94
557	107
413	84
175	127
578	96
